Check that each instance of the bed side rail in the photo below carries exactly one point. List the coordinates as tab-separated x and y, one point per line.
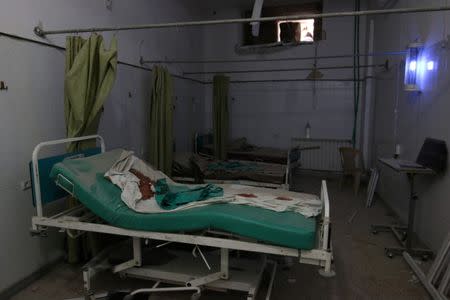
325	242
35	163
200	140
322	254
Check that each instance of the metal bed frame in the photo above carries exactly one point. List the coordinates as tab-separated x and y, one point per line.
78	220
292	162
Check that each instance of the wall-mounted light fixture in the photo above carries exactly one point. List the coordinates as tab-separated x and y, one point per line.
413	67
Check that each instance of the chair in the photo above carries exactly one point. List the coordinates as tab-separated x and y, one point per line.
350	161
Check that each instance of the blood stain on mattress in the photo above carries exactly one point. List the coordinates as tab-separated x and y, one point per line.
248	195
145	184
284	198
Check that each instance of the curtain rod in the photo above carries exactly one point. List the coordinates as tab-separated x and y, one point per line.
21	38
292	80
385	65
24	39
40	31
387	53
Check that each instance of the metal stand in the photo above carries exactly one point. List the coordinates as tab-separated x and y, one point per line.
186	272
405	234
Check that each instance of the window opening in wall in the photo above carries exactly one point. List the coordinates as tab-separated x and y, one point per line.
300	31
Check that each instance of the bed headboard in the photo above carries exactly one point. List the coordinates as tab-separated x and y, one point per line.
201	140
49	190
294	154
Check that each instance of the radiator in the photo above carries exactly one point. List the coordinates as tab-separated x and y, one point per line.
325	158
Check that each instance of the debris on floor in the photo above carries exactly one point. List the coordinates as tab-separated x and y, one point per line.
413	279
352	217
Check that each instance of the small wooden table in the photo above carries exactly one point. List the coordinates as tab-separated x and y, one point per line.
405	234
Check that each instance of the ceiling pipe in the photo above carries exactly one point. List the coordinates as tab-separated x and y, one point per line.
40	31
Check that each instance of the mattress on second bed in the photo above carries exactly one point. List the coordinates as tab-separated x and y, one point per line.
255	153
287	229
240	170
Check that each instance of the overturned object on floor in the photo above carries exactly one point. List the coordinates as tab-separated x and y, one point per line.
437	281
221	225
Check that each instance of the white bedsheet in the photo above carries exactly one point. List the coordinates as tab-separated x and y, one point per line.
277	200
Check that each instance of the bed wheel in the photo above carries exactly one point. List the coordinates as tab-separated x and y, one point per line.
128	297
195	296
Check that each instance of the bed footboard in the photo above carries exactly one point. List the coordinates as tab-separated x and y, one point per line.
323	254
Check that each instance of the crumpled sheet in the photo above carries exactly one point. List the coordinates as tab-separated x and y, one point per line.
276	200
120	175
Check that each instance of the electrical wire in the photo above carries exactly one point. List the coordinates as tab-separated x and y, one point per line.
444	30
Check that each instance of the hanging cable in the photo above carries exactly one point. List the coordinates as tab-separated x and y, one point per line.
358	60
316	74
444	31
356	72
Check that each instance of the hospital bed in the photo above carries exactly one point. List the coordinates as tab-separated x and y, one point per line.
224	227
195	167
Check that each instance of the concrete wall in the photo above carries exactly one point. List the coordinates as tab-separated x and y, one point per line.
32	109
415	117
271	113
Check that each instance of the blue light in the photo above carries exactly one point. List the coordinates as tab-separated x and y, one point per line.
430	65
415	65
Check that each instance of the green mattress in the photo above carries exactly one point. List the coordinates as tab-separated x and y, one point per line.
103	198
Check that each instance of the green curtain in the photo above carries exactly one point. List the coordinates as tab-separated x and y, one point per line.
161	116
220	115
89	77
90	72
